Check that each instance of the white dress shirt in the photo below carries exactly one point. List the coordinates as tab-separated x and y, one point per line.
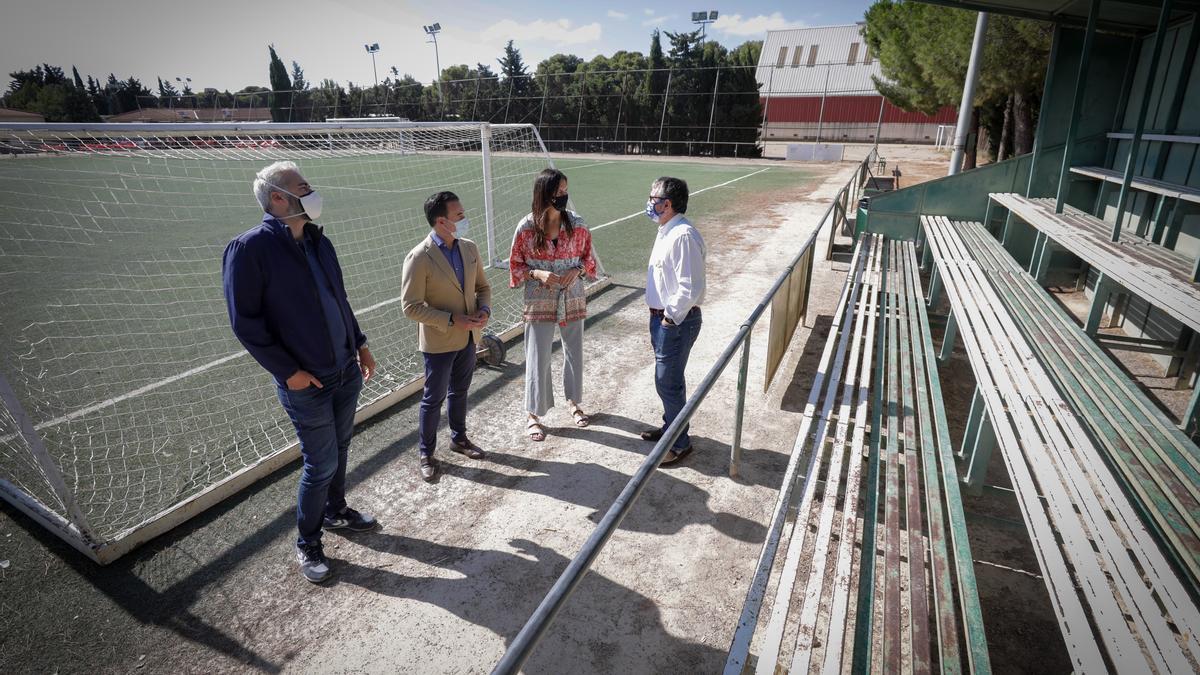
675	275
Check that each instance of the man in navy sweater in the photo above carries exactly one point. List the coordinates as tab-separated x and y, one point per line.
287	304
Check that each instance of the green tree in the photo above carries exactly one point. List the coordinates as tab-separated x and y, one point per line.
301	99
168	94
281	86
924	50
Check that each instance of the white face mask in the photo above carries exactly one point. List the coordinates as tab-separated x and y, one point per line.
310	204
461	227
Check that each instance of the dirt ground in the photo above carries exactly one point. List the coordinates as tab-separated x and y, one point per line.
460	564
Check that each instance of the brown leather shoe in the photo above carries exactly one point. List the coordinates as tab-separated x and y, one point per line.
466	447
429	467
675	454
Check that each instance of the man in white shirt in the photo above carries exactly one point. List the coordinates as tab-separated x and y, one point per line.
674	291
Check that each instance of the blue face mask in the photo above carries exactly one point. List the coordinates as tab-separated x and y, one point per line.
651	213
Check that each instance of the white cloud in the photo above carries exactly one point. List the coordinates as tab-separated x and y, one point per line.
614	14
734	24
657	20
649	12
560	32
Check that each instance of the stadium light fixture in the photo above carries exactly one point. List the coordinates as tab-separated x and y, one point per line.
704	18
372	49
432	31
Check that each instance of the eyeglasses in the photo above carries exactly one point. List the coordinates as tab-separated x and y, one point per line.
657	197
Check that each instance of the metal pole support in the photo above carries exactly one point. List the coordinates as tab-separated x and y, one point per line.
735	452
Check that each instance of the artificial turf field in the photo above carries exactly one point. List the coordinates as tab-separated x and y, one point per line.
115	336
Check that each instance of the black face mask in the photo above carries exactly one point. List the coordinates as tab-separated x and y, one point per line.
560	202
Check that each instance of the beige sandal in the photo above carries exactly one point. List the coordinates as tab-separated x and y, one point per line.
581	418
536	431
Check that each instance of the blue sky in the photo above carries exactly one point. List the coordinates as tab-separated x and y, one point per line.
223	43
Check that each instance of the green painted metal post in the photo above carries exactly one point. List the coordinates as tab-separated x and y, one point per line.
1196	270
1158	227
1099	301
926	257
1085	58
735	453
1191	416
974	417
1139	128
948	338
1174	225
1185	74
935	288
981	455
1043	262
1162	229
1039	241
1098	211
987	216
1007	229
1039	139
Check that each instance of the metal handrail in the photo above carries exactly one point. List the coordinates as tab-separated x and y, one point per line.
539	622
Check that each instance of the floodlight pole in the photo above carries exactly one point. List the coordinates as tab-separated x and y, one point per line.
703	19
372	49
962	129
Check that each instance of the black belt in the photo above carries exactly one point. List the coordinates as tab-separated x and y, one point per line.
659	312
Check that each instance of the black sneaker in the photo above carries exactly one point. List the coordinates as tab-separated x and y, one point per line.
313	564
349	519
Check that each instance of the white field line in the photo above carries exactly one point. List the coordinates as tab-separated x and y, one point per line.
710	187
108	403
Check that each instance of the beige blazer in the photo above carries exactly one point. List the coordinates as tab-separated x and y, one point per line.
430	294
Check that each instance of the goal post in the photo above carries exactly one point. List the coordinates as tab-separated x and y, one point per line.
126	404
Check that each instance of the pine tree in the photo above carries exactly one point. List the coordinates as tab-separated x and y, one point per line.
281	99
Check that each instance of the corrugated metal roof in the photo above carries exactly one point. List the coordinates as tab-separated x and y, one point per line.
841	60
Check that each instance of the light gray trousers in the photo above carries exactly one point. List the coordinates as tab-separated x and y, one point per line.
539	388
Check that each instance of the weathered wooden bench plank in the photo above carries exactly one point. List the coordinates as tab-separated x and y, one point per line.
1085	524
1155	186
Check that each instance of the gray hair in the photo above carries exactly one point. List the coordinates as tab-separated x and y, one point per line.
267	180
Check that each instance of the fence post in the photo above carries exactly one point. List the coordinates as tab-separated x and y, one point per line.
767	105
579	116
713	110
545	88
735	453
879	124
666	97
509	101
620	108
824	94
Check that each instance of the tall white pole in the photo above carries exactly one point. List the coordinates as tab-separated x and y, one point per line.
963	128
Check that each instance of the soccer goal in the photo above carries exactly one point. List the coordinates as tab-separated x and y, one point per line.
127	404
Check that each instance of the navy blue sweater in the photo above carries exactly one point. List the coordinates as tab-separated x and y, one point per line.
273	301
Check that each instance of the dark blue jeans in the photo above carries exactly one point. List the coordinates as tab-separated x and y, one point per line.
449	372
324	421
672	346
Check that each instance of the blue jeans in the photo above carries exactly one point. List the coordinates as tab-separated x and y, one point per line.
672	346
324	421
449	372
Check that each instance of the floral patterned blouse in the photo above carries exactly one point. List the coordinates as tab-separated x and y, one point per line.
543	303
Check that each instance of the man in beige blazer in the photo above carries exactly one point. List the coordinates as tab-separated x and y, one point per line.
444	288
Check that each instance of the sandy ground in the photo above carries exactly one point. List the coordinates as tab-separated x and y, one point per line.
460	564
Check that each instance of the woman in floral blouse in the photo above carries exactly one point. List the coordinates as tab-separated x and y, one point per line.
551	253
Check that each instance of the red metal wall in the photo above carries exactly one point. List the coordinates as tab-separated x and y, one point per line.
847	110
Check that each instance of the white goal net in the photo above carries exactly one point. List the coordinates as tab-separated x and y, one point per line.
127	403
